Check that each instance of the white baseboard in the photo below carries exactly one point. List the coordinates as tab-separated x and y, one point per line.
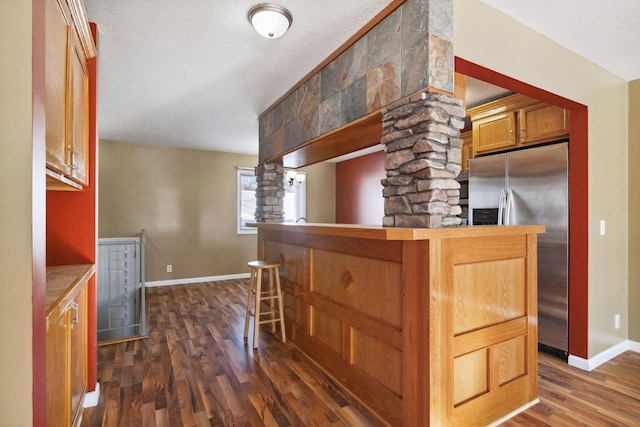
91	398
604	356
195	280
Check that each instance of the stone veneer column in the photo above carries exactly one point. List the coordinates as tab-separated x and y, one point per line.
423	155
270	192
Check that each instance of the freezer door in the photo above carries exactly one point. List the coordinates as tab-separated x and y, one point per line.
486	181
538	180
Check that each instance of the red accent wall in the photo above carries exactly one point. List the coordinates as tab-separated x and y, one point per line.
578	198
359	191
71	227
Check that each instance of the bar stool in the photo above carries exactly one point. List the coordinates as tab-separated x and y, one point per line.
270	294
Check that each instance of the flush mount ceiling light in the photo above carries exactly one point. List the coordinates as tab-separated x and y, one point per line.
269	20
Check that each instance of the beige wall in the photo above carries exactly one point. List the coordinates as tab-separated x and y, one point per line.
491	39
186	202
16	213
321	192
634	211
184	199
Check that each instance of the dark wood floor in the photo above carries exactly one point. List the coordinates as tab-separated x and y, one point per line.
195	369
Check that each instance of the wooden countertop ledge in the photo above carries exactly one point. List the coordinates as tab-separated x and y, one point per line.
64	283
391	233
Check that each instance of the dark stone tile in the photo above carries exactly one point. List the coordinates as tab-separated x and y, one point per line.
441	19
383	84
263	128
414	22
330	114
384	40
415	73
354	100
293	135
277	142
441	63
330	77
275	119
309	108
353	63
291	105
265	149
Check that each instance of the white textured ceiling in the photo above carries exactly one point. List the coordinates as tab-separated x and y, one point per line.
194	73
606	33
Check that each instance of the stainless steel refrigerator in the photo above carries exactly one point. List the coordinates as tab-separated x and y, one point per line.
530	186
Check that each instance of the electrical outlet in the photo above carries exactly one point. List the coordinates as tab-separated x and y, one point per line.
603	229
616	321
169	268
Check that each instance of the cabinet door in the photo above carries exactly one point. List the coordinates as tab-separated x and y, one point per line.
543	123
467	150
58	408
57	46
79	114
78	348
494	133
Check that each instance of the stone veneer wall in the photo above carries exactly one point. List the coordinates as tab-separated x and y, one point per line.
270	192
410	50
424	151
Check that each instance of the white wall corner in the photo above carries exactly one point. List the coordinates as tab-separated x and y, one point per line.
602	357
91	398
634	346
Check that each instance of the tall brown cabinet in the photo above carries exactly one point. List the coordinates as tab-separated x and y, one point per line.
69	47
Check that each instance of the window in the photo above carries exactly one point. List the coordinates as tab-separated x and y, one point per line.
246	195
295	199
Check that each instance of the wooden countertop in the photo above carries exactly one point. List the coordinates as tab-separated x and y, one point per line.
64	283
391	233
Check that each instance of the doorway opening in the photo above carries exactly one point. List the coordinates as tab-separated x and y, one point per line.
578	195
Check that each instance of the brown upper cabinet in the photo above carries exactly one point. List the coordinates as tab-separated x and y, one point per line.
68	48
516	121
467	150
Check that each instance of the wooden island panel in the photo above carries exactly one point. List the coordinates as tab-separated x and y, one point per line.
435	327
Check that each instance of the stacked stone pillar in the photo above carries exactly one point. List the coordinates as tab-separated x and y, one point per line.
423	154
270	192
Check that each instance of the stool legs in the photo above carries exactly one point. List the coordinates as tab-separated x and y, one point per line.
256	317
249	299
280	307
256	294
272	292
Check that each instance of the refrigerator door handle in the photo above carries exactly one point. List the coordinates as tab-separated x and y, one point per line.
508	203
501	206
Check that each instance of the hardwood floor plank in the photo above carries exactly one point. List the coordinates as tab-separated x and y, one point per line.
570	397
196	369
148	415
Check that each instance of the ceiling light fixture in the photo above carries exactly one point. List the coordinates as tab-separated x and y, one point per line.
269	20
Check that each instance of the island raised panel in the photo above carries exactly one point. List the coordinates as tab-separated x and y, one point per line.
365	285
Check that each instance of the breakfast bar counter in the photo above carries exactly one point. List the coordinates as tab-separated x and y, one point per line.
425	326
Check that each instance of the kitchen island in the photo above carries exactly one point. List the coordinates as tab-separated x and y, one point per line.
425	326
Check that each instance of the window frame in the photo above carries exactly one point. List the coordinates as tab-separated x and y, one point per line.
300	190
240	172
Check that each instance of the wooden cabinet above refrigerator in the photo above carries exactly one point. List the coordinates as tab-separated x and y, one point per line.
514	122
